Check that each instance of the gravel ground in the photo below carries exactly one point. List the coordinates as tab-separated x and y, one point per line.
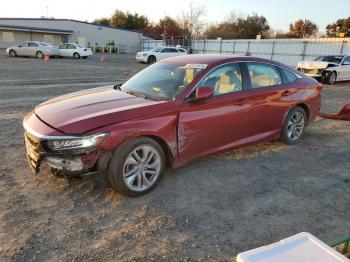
209	210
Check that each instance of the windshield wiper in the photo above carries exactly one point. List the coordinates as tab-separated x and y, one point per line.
118	86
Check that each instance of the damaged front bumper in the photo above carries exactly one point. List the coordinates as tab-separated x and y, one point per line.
313	72
75	163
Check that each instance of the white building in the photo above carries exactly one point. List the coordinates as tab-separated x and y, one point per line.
56	31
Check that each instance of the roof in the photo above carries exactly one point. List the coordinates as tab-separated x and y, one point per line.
36	29
213	59
69	20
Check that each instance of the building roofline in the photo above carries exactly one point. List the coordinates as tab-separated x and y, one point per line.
41	29
71	20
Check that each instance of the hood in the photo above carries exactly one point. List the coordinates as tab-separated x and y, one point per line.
82	111
314	64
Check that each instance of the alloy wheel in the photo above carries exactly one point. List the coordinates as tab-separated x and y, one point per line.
296	125
142	168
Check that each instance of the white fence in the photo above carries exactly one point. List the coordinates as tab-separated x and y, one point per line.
288	51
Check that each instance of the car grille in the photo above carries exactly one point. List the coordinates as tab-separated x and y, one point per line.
33	148
309	71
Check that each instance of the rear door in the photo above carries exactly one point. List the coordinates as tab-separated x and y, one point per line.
269	97
219	122
32	49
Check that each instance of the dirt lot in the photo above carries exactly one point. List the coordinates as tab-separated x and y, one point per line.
209	210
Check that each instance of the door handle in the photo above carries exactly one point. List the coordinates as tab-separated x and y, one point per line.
286	93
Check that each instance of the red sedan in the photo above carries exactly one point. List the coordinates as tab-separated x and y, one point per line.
172	112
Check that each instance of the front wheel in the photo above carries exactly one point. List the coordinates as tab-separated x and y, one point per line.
331	78
12	53
136	167
294	126
152	59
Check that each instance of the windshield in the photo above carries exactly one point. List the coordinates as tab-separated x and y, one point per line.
332	59
81	46
162	81
157	49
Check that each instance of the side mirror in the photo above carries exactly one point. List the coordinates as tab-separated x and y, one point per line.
204	93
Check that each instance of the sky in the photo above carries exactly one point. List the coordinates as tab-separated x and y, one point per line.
279	13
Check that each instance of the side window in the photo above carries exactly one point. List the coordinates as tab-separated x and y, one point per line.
63	46
169	50
346	61
32	44
71	46
289	77
262	75
182	50
23	45
224	79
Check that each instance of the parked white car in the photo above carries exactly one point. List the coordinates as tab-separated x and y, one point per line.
159	53
74	50
33	49
328	68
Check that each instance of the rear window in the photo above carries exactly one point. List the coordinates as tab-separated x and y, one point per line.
289	77
182	50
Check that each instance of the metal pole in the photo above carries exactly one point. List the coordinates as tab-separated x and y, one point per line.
304	49
342	47
220	45
204	46
273	49
233	47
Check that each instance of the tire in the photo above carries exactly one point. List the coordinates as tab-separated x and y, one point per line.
332	78
76	55
39	55
151	59
294	126
129	168
12	53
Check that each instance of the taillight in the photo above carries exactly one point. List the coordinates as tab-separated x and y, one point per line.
319	87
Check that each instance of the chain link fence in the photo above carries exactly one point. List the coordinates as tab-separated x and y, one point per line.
288	51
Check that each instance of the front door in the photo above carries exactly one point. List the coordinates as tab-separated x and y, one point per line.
22	49
217	123
344	69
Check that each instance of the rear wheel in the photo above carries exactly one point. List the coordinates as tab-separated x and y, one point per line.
12	53
76	55
331	78
294	126
151	59
39	55
136	166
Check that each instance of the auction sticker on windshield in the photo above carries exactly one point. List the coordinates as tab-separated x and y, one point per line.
197	66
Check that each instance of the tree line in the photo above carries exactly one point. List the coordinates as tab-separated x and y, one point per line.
236	26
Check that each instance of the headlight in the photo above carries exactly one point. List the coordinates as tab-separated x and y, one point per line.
76	142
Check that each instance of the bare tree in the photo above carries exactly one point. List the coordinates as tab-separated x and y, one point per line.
192	21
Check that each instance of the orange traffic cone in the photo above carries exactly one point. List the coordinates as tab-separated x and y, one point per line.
102	59
46	58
